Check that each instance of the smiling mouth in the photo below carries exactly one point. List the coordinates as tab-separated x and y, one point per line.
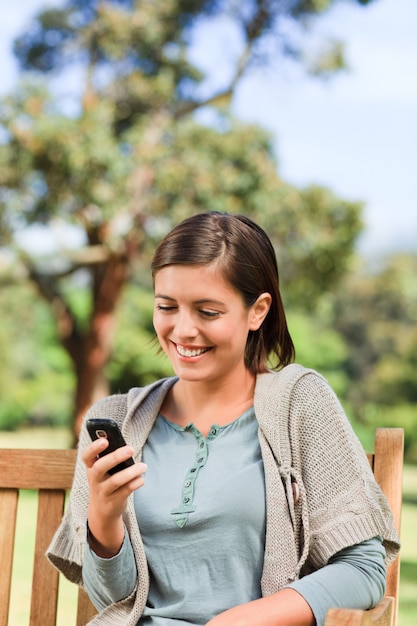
182	351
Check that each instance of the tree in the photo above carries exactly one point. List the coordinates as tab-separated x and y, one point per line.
36	382
375	312
124	158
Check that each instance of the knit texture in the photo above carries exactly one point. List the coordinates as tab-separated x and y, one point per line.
305	438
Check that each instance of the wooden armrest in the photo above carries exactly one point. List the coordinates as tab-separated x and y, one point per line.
381	615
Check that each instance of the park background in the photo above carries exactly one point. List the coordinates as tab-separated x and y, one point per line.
320	149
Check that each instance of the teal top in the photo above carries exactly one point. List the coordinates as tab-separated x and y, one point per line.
202	515
206	525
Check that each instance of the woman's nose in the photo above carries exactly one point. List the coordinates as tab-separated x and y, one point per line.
185	325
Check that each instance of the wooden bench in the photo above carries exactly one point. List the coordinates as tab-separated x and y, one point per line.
50	472
387	464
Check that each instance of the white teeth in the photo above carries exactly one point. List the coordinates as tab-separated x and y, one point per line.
185	352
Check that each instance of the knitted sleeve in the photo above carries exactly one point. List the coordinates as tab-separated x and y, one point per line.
67	549
354	578
346	506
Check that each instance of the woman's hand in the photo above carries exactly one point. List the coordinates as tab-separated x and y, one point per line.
286	608
108	495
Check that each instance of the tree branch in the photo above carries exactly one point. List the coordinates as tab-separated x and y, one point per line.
66	322
253	31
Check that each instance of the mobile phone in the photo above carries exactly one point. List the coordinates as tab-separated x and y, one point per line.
108	428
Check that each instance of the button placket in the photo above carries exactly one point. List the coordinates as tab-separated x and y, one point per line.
186	507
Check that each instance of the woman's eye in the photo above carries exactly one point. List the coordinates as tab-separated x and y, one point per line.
168	308
210	314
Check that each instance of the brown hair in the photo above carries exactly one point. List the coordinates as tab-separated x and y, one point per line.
243	253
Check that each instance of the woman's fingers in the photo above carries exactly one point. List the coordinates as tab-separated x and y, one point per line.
91	452
107	462
98	467
128	479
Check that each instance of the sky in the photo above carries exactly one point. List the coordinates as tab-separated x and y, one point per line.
355	134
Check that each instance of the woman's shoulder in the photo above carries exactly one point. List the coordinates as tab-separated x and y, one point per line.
285	379
291	394
116	406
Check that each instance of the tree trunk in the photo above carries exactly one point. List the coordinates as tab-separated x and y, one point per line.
91	384
91	350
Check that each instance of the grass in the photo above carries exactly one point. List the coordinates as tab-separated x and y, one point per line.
36	438
408	570
45	438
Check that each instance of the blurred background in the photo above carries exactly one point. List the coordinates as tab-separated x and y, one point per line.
120	118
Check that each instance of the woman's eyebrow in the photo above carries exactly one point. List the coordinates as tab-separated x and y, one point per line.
161	295
201	301
208	301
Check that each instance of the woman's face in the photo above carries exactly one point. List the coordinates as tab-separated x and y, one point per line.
202	322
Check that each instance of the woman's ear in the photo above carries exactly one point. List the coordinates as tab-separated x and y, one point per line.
259	310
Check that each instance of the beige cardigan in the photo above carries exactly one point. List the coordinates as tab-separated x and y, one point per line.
305	438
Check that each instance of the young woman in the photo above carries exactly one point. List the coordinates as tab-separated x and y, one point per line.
251	501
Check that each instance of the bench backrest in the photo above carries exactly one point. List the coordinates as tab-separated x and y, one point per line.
387	464
49	473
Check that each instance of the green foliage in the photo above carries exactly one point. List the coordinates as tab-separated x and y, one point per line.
376	314
36	382
320	347
398	416
158	31
315	232
12	414
59	164
135	359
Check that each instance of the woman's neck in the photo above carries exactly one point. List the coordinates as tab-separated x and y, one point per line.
205	403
